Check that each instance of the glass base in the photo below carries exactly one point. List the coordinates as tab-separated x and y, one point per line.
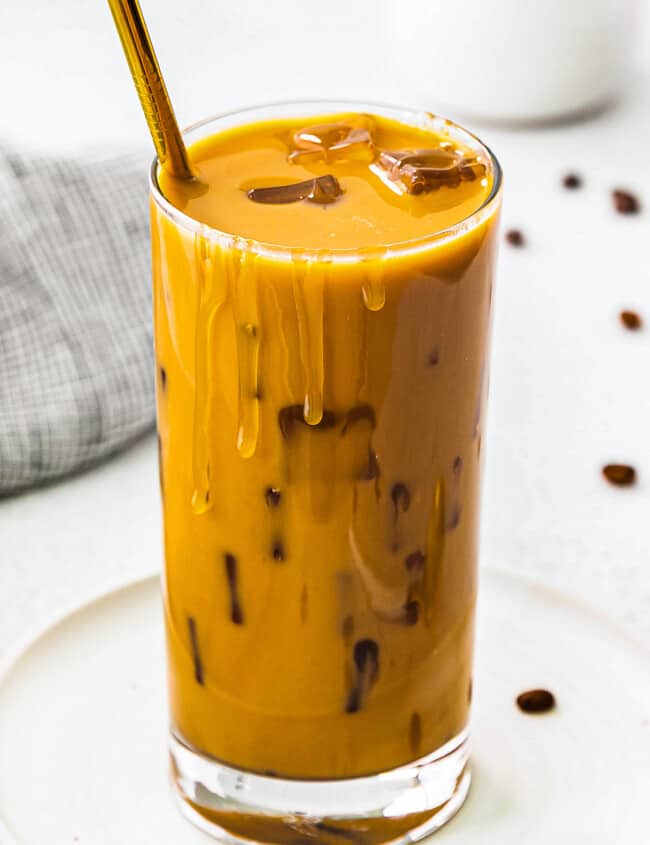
401	805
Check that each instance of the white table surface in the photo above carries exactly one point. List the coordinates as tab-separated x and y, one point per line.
570	388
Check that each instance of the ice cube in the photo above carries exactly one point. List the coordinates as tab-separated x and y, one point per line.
420	171
345	141
322	190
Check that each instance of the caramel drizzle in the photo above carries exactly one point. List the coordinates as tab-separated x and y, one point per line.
373	289
212	295
225	273
309	277
373	293
243	286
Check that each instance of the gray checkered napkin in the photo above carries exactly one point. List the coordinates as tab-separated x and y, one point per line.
76	368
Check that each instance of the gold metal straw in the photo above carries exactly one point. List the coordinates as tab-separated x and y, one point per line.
151	88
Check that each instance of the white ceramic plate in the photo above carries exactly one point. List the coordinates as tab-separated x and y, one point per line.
82	728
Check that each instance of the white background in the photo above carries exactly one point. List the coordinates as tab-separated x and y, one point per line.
570	388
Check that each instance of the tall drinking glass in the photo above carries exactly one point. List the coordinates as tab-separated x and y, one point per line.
320	418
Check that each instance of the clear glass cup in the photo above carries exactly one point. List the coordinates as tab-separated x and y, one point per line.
320	420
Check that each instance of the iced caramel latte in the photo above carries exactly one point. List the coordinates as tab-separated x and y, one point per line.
322	301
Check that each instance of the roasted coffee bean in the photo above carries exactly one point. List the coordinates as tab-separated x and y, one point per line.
515	237
625	202
622	475
631	320
536	701
572	181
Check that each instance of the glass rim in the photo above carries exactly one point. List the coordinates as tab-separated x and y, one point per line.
346	254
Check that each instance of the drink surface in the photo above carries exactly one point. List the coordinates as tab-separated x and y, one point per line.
320	430
378	206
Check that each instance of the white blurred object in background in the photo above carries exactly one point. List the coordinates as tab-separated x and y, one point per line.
513	60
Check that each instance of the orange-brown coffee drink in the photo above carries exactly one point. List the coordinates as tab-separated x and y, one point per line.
322	310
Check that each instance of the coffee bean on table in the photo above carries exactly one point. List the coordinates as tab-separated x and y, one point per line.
572	181
625	202
536	701
515	237
631	320
621	475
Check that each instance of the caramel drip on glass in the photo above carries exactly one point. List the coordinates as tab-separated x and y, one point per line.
362	361
373	292
212	295
279	318
157	244
309	275
243	286
361	385
165	299
373	289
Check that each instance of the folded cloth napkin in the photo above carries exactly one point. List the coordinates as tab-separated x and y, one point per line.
76	360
